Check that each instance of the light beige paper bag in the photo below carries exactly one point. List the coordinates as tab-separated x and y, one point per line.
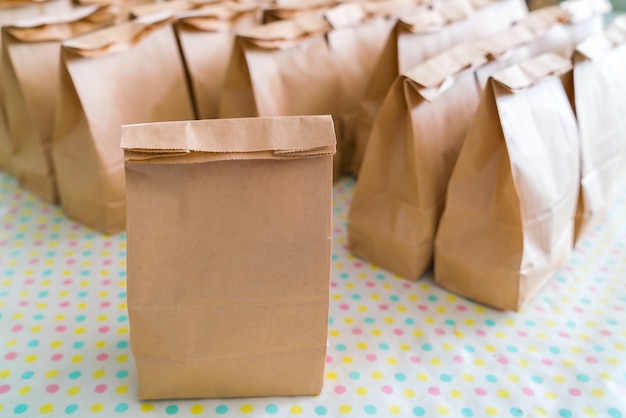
416	38
295	9
414	144
306	66
239	210
508	223
128	73
10	13
30	69
599	85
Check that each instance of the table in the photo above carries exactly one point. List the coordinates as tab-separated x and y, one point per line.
396	348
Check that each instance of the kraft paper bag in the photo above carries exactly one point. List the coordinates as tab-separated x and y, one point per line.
30	69
599	85
306	66
240	210
508	223
128	73
295	9
417	37
11	13
413	147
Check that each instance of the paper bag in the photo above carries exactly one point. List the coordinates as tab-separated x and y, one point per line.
128	73
30	73
306	66
413	148
414	39
295	9
508	223
599	86
229	241
10	14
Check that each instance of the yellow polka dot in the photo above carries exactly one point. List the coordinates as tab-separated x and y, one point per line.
362	308
429	320
458	334
451	298
345	409
76	358
448	346
348	320
41	305
620	346
503	393
468	377
479	362
376	332
590	412
417	333
598	393
123	306
550	395
361	346
443	410
510	322
246	408
470	322
147	407
540	412
456	394
5	373
440	309
56	344
31	358
523	363
122	358
295	410
64	293
500	334
605	376
405	347
375	296
337	296
346	360
389	320
409	393
491	411
197	409
80	330
568	363
17	315
387	286
413	297
361	391
392	360
395	410
82	305
121	390
99	374
613	361
533	349
97	407
490	348
101	318
479	309
350	286
11	343
24	390
73	391
100	344
46	408
23	293
377	375
401	308
52	373
423	377
331	376
514	378
334	333
36	329
60	317
424	286
559	379
435	361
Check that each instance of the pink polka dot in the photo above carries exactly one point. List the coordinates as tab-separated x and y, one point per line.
540	309
547	361
387	389
57	357
33	261
107	244
370	357
106	282
344	306
591	360
575	392
440	331
605	332
103	330
422	307
579	310
370	284
406	285
105	304
29	281
398	331
61	328
106	262
415	359
70	261
329	359
23	303
68	282
53	388
4	388
340	389
563	334
357	331
64	304
459	359
358	264
528	391
618	308
522	334
461	308
503	360
434	391
480	332
10	356
333	284
383	307
101	388
102	357
480	391
17	328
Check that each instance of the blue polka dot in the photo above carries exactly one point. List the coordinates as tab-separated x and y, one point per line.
531	323
380	276
432	298
122	318
344	275
598	348
27	375
611	322
400	377
354	375
330	320
122	344
369	320
369	409
83	294
383	346
47	272
271	409
555	350
84	273
450	322
121	374
469	348
445	378
81	318
585	301
33	343
43	294
419	411
582	378
511	349
121	407
516	412
21	408
38	317
537	379
334	257
394	298
74	375
409	321
121	295
340	347
467	412
570	324
122	273
491	378
221	409
614	413
490	322
70	409
356	296
320	411
78	344
565	413
427	347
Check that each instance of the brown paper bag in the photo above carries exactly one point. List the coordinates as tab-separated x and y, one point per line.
413	148
128	73
414	39
30	73
11	13
306	66
241	209
599	86
509	218
296	9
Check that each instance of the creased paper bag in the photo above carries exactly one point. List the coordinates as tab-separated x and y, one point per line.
30	69
229	241
413	147
306	66
10	13
508	223
599	87
415	38
128	73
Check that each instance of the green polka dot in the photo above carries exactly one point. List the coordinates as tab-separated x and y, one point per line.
419	411
221	409
171	410
320	411
70	409
121	407
467	412
74	374
271	409
369	409
565	413
516	412
614	413
121	374
20	409
27	375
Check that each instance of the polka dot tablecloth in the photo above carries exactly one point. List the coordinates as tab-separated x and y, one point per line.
396	348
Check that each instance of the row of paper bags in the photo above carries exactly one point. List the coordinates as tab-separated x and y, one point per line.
494	178
72	77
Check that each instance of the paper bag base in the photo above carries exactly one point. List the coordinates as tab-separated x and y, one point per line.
41	186
104	218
